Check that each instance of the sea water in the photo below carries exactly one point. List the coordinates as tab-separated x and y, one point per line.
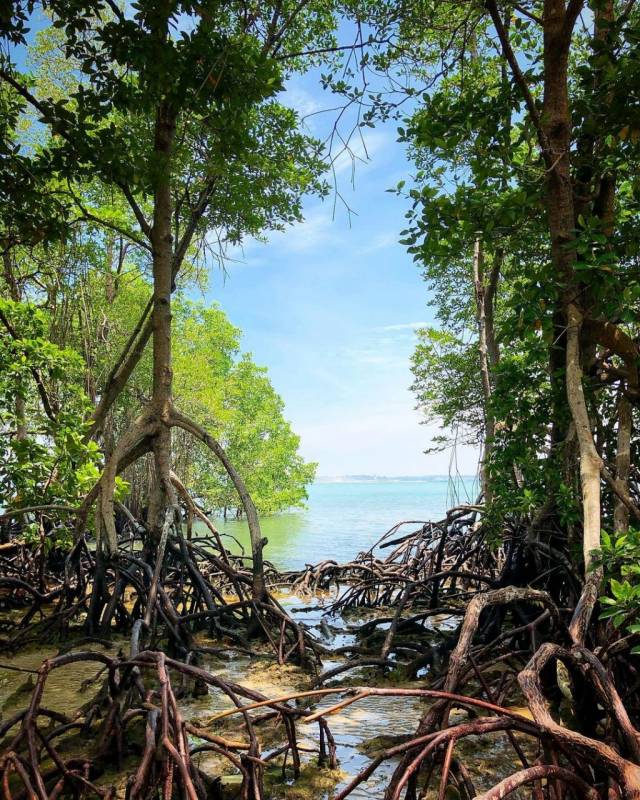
346	516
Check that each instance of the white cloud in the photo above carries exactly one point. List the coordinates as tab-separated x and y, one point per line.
403	326
380	242
317	229
301	101
388	347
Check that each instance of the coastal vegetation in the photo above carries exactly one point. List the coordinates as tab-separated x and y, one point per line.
140	142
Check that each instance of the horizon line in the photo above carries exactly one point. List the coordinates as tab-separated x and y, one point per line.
378	476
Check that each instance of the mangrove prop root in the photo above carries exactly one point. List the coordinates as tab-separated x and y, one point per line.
516	619
182	587
36	759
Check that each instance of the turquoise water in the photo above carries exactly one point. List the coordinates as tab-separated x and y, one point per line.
346	517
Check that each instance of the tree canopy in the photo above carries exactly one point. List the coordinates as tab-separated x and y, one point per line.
138	143
160	139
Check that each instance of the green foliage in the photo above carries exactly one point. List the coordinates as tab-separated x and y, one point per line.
475	156
241	162
222	389
81	127
44	458
479	176
439	359
620	557
230	395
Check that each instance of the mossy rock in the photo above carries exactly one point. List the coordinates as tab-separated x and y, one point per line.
314	783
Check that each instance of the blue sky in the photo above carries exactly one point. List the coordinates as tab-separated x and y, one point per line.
330	306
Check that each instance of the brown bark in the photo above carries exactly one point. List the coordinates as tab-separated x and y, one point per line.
626	773
437	715
259	590
162	251
141	430
16	296
553	128
488	353
554	134
623	461
590	461
493	351
546	772
154	425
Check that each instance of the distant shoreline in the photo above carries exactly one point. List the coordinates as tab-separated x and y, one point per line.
391	478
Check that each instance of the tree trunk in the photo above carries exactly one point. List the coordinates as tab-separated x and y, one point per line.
484	335
556	125
16	296
623	461
590	462
162	252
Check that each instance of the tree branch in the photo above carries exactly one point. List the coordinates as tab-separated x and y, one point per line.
197	212
530	15
137	211
122	369
518	76
574	9
46	114
88	216
18	512
611	336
